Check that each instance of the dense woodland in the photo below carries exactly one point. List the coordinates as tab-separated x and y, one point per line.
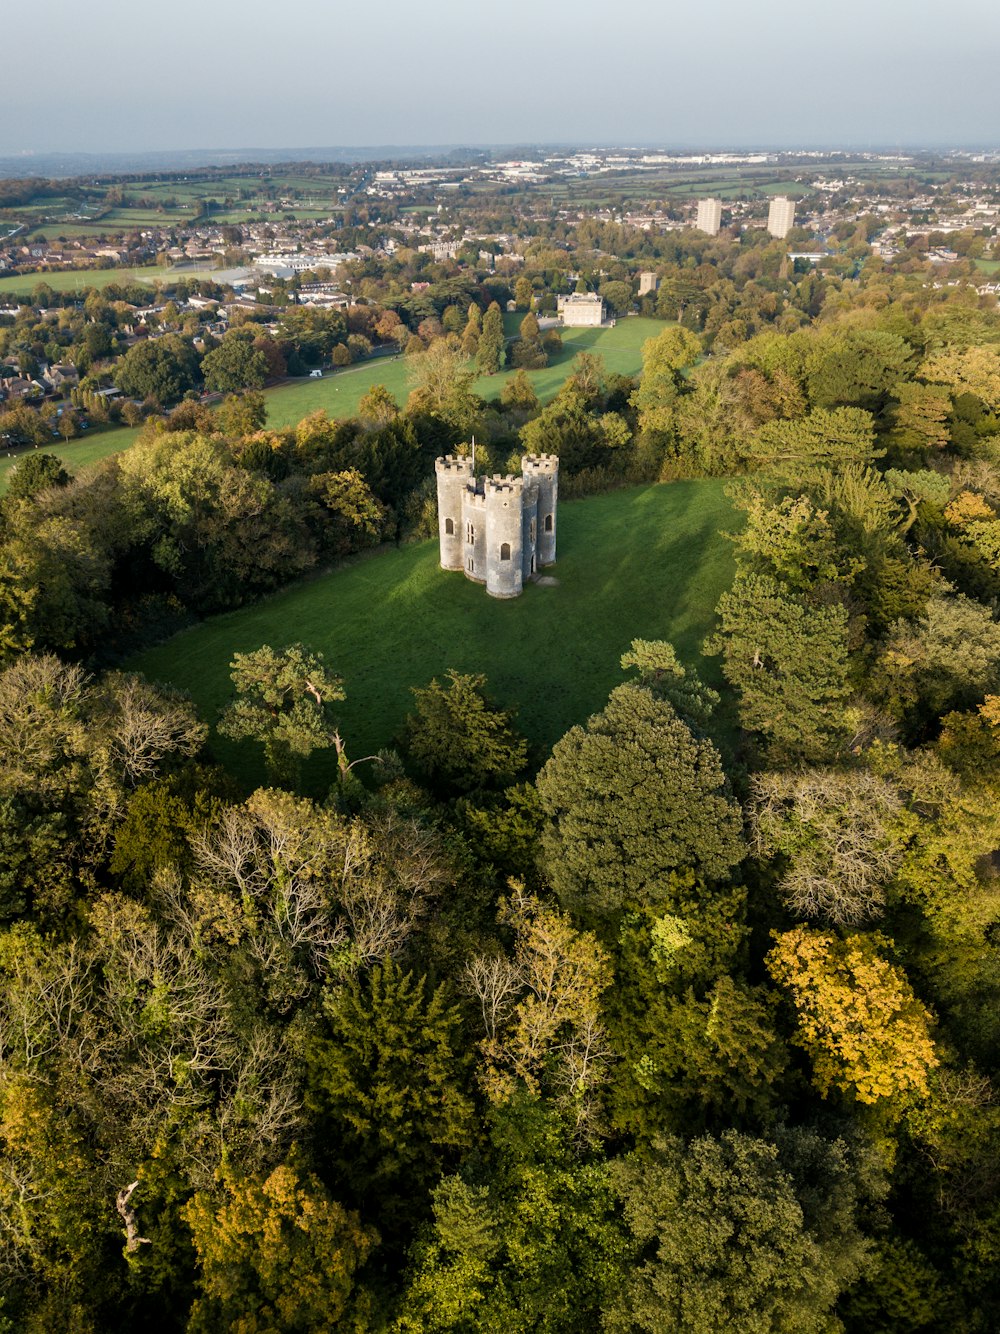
635	1036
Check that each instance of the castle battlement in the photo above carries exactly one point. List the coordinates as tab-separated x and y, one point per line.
454	463
503	486
498	530
548	464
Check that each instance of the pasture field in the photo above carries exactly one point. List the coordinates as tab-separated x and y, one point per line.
647	562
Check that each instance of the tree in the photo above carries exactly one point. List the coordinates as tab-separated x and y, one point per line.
629	798
240	415
788	660
390	1083
472	333
661	672
794	451
377	408
458	741
519	393
234	365
34	473
724	1236
840	833
664	358
523	293
284	699
354	518
490	352
162	369
276	1253
442	386
947	659
541	1012
864	1030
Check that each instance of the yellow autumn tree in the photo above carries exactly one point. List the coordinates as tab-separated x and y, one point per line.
864	1030
275	1254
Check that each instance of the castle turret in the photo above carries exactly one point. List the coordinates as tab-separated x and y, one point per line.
453	478
503	536
543	469
474	521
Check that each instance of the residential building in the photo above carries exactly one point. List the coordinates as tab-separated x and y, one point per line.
781	216
709	218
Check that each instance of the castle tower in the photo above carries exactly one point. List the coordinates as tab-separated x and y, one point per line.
474	531
543	470
453	477
503	496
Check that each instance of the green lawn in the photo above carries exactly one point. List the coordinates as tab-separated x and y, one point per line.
67	280
990	266
339	393
90	448
646	562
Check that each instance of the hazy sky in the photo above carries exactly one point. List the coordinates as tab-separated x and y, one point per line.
126	75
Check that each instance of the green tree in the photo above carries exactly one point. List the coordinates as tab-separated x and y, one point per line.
664	359
390	1082
726	1237
788	660
284	699
458	741
492	343
629	798
34	473
162	369
234	365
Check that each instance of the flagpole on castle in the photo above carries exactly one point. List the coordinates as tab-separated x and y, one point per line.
473	456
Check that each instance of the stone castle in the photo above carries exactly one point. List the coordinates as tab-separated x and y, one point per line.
499	530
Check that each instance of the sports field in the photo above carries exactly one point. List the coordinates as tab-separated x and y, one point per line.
646	562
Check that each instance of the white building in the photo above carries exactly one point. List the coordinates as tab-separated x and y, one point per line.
581	310
648	282
709	217
781	216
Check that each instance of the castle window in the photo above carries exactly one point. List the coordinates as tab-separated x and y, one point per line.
548	523
505	551
532	530
470	535
449	526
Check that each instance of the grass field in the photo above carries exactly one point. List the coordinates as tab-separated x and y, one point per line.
339	393
68	280
92	447
646	562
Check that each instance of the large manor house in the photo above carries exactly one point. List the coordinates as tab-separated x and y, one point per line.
499	530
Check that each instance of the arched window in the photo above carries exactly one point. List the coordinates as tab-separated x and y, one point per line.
548	523
505	551
449	526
